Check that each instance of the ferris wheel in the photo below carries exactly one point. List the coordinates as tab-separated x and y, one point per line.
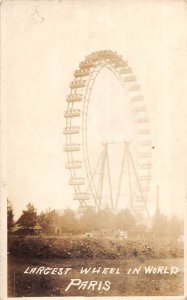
87	190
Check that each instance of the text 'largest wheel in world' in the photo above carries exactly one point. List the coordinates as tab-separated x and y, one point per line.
88	189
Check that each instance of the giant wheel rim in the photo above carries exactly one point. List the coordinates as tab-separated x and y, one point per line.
80	91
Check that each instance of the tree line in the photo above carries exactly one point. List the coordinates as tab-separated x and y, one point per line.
71	222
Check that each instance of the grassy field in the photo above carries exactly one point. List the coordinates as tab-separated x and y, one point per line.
81	247
34	285
75	254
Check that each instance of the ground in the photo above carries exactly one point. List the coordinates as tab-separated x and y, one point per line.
123	284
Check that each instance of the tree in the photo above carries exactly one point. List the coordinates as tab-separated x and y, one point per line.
69	222
10	215
28	217
48	220
125	220
88	220
160	227
176	228
105	219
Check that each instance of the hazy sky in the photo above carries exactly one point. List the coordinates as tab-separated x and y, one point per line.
43	43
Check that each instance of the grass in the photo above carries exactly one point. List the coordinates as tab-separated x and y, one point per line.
81	247
77	252
33	285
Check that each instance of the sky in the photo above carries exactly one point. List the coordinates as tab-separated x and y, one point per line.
43	43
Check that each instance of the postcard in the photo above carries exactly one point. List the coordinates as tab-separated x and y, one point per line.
93	149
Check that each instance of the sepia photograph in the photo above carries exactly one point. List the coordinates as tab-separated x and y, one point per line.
93	152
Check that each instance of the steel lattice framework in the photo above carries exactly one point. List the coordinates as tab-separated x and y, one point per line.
85	190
